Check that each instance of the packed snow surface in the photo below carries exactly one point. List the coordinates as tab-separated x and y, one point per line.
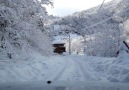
64	70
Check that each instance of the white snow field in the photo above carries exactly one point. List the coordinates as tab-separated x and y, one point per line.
65	73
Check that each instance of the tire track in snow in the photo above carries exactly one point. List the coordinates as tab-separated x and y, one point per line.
84	70
67	71
55	76
62	71
68	67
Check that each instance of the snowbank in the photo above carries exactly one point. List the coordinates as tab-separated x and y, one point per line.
112	70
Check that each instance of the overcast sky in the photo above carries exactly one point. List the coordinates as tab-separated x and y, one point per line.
66	7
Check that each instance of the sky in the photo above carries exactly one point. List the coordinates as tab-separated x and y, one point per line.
67	7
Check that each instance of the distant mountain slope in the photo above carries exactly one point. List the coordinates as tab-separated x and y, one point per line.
104	25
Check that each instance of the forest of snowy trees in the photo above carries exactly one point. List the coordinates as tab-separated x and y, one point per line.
101	30
98	50
25	28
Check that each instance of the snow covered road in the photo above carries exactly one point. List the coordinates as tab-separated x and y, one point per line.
63	69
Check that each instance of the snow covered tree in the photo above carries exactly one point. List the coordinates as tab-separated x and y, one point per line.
21	28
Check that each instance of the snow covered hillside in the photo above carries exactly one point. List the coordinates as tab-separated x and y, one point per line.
101	30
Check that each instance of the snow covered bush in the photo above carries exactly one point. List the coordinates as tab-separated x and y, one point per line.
21	28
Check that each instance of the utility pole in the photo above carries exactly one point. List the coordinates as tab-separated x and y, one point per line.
69	44
69	41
